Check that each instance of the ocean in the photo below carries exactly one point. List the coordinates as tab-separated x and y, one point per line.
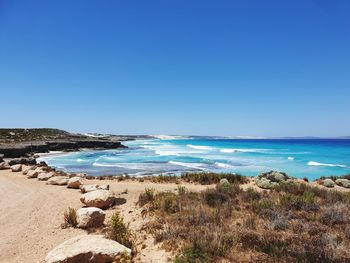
310	158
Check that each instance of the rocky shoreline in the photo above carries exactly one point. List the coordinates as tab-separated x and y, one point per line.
24	143
17	150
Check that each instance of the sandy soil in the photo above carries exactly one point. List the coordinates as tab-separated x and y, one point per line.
31	214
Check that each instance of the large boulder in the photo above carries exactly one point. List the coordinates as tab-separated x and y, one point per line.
87	248
1	157
4	166
45	176
93	187
343	182
58	180
90	217
328	183
30	168
99	198
74	182
32	174
16	168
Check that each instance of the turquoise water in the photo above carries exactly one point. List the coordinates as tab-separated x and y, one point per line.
297	157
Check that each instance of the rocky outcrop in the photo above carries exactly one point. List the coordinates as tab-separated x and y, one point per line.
93	187
23	149
99	198
87	248
16	168
27	161
58	180
1	157
74	182
90	217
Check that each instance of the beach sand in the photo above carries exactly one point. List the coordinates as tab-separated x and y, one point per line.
31	214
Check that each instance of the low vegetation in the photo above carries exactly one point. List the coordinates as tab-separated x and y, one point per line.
119	231
294	222
70	218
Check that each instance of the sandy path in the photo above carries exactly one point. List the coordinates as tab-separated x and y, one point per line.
30	217
31	214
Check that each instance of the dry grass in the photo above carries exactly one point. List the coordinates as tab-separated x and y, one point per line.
293	223
70	218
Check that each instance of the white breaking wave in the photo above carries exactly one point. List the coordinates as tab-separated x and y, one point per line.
290	158
223	165
312	163
227	150
106	165
189	165
169	137
80	160
199	147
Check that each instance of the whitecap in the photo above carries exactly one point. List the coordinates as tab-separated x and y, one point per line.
290	158
79	160
223	165
312	163
199	147
105	164
243	150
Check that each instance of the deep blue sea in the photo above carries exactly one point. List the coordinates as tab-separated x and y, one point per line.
309	158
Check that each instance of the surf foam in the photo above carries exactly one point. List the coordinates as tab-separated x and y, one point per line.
312	163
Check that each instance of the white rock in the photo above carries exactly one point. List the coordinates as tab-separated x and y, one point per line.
93	187
90	217
16	168
31	168
4	166
99	198
86	248
74	182
32	174
45	176
58	180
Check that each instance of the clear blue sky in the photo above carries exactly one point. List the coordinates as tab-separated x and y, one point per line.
260	68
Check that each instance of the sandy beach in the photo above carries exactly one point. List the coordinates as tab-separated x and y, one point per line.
31	214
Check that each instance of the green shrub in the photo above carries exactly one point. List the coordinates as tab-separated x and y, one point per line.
263	204
120	231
